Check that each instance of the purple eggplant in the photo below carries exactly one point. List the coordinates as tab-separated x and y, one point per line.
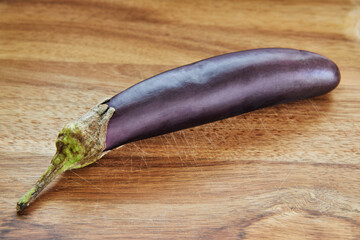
188	96
217	88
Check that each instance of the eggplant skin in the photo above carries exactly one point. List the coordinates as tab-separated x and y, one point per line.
217	88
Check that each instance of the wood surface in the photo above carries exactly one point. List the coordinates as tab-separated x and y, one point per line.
286	172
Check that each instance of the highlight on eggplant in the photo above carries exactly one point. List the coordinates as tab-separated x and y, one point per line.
202	92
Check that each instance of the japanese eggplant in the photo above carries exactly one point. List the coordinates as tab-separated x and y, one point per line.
188	96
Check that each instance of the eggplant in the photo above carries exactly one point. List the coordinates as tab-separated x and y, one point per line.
206	91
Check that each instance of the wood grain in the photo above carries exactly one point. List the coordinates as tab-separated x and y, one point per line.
287	172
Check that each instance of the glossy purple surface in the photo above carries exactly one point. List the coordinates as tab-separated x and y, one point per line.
217	88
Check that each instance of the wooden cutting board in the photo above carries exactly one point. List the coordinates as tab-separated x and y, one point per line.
286	172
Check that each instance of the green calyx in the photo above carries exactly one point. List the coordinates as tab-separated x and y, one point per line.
79	144
69	148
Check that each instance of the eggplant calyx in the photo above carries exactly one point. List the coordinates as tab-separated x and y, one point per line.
79	144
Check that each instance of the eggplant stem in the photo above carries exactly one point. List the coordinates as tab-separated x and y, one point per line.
79	144
52	172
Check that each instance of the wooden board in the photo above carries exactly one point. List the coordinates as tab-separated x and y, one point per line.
286	172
